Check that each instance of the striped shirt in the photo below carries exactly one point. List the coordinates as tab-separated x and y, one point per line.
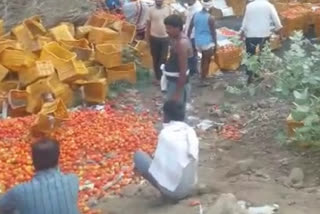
49	192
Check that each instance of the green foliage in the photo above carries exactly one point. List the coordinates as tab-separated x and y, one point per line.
296	78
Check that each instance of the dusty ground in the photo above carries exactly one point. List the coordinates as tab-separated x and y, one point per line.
261	182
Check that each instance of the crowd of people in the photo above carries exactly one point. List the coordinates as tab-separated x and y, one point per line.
174	46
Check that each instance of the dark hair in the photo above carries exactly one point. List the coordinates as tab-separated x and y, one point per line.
174	21
45	154
174	110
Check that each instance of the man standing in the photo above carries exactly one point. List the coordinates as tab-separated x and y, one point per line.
177	68
194	7
257	27
50	191
205	36
157	36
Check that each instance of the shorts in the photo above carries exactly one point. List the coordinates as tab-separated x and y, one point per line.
205	47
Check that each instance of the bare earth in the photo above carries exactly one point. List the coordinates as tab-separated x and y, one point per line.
261	180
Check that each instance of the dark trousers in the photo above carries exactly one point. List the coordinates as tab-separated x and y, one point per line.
251	46
193	66
159	51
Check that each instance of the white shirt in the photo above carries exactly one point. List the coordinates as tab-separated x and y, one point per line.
259	17
193	9
174	166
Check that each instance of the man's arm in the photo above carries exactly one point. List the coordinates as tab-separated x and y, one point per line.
244	25
276	20
148	30
213	31
190	28
182	53
8	202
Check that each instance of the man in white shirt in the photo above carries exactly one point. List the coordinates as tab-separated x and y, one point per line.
194	7
173	170
260	19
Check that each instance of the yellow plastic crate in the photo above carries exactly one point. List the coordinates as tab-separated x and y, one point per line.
71	27
1	27
109	55
78	71
3	72
61	32
35	27
25	37
60	89
35	90
41	69
6	86
81	47
96	21
213	68
102	35
95	91
143	51
128	32
60	57
57	108
8	43
125	72
16	60
46	124
83	31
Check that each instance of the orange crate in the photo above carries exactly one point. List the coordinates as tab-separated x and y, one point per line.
59	56
34	25
102	35
95	91
61	32
40	70
213	68
229	60
16	60
78	71
3	72
292	125
124	72
109	55
17	101
128	32
81	47
35	90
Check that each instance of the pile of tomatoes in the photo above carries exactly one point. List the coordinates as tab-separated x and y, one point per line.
295	12
98	146
227	32
227	49
231	132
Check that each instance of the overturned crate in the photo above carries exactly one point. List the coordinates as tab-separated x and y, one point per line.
125	72
109	55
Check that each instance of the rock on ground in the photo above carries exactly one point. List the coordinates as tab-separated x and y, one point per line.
226	204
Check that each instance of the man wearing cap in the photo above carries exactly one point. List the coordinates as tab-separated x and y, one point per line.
260	19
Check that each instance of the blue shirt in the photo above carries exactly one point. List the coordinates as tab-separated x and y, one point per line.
202	31
49	192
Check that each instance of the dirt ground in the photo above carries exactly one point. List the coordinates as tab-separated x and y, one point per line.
262	181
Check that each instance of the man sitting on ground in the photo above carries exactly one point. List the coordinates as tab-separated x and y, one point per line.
173	170
50	191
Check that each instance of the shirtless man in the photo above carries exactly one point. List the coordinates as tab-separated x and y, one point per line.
176	70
